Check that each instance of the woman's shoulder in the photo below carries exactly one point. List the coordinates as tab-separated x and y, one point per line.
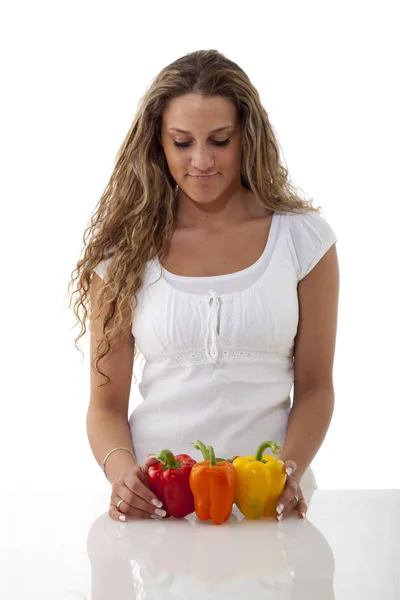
309	223
311	235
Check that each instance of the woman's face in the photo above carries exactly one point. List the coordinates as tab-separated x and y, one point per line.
198	149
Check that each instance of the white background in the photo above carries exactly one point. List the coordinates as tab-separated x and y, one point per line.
72	75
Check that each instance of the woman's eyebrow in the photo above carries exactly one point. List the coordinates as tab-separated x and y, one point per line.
213	131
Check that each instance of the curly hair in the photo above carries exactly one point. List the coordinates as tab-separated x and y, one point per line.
134	219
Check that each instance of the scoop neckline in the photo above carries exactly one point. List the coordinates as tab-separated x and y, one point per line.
226	276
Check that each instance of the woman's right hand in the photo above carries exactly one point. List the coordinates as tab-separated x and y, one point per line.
138	500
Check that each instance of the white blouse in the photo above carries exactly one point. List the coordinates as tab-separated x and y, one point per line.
219	350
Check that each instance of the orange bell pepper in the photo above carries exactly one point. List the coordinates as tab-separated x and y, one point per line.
213	485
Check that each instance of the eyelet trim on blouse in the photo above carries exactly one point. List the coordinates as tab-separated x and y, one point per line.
201	356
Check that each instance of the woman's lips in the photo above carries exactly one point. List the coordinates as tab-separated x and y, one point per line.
203	177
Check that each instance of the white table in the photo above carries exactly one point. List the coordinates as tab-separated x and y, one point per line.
68	548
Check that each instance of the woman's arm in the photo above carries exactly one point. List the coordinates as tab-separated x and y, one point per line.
107	416
307	427
314	396
107	429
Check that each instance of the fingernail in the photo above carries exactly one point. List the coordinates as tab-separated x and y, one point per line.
289	471
303	515
152	456
280	508
122	517
280	517
160	513
156	503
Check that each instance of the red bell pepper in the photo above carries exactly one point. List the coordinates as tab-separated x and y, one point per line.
169	481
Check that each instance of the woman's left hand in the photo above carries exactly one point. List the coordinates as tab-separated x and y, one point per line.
287	501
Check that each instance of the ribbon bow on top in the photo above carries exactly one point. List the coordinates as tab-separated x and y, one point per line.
212	341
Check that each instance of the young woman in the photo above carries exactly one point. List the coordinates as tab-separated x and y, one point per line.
204	258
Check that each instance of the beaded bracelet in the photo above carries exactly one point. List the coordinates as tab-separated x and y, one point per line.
105	459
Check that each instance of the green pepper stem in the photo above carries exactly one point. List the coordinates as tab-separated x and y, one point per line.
213	462
273	445
168	459
202	447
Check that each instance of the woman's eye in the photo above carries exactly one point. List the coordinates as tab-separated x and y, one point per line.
186	144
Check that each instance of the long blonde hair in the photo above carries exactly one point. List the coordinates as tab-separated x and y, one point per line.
134	219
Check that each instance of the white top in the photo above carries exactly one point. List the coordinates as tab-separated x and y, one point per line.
219	350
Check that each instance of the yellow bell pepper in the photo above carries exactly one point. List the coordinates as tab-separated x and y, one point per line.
260	481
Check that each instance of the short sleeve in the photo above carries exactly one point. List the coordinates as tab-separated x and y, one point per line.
312	237
101	268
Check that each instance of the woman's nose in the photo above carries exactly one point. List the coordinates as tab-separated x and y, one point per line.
202	159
